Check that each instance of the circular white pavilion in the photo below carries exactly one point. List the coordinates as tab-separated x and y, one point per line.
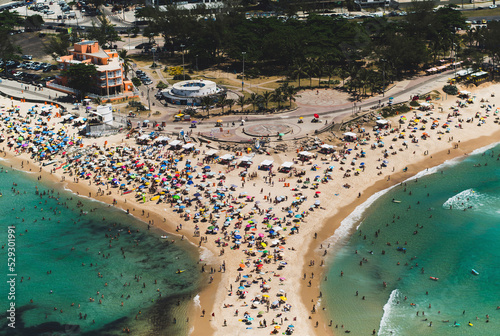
191	92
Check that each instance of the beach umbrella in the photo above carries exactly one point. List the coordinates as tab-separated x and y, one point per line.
241	287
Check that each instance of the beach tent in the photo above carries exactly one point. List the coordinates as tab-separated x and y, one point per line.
305	155
350	136
161	139
175	143
246	160
382	123
226	157
266	164
326	149
286	166
211	152
188	146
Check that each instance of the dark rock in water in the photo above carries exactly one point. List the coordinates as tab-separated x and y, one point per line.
51	328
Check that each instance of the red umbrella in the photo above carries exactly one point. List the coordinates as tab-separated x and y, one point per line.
316	116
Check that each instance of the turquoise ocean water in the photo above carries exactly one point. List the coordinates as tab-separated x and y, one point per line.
53	266
448	222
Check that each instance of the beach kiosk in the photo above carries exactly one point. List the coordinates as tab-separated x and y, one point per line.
246	161
266	165
176	144
350	136
326	149
286	167
305	156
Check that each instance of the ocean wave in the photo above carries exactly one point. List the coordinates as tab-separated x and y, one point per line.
471	200
388	325
196	301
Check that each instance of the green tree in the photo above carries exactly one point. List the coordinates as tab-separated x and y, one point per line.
277	97
136	81
230	103
266	97
242	101
57	46
33	22
80	75
126	61
298	70
105	33
207	103
254	99
8	50
222	102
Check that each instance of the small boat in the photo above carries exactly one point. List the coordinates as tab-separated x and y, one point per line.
49	163
164	237
470	324
179	271
434	278
395	201
474	272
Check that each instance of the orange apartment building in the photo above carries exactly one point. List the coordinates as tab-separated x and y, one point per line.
110	77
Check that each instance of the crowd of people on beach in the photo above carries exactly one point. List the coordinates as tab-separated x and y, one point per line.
248	210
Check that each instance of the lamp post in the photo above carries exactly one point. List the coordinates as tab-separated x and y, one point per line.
196	62
149	101
183	75
243	72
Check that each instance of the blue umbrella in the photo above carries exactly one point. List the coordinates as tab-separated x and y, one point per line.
237	237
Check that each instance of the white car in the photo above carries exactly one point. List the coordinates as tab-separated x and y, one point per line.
493	6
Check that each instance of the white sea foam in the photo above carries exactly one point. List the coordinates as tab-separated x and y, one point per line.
471	200
196	301
346	225
388	325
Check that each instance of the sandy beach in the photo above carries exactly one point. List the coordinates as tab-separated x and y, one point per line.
284	221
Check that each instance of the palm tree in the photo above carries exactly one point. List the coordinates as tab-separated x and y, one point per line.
222	102
310	70
319	64
230	103
207	103
277	97
330	71
288	93
242	101
126	61
266	97
298	70
254	100
343	74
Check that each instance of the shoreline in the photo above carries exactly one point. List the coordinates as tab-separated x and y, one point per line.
206	295
327	231
323	222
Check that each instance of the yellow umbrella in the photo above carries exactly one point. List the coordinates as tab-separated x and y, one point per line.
283	298
155	198
265	295
219	120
